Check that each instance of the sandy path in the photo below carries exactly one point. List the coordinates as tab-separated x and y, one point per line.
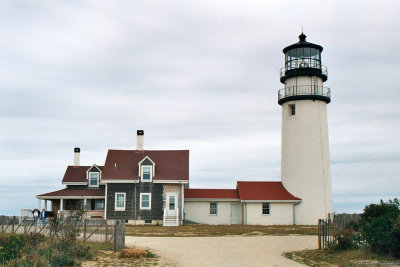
225	251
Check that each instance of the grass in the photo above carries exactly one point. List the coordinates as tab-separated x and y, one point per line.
219	230
341	258
99	245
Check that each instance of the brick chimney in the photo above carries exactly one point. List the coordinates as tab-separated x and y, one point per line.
77	152
140	134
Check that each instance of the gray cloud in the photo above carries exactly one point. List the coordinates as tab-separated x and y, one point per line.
199	76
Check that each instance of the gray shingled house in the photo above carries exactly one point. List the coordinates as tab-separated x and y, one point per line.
140	186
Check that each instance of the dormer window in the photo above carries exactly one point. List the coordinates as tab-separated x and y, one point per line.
93	179
93	176
146	173
146	169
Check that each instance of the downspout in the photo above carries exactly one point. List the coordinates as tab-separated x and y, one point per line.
181	203
294	212
135	204
245	208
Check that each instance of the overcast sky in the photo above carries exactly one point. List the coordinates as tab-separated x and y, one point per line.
197	75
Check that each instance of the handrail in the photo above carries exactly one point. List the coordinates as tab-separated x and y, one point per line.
283	70
304	90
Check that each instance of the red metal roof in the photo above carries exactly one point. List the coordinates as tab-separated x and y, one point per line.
72	192
264	191
77	174
211	193
170	164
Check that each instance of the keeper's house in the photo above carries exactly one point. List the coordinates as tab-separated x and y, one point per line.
147	187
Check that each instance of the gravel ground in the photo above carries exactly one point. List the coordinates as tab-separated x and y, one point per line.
224	251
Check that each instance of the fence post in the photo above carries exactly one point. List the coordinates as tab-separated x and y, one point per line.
106	231
24	221
319	233
84	229
2	225
115	235
12	222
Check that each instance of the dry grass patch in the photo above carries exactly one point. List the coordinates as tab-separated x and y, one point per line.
219	230
130	257
341	258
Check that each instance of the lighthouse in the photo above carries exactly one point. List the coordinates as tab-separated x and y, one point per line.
305	163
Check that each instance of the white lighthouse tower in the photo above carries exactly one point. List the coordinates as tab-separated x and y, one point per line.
305	163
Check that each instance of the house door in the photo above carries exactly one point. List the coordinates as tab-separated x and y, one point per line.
172	204
235	213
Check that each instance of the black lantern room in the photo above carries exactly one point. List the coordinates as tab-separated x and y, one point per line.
303	59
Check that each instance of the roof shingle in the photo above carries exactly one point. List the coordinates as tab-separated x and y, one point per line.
169	164
264	191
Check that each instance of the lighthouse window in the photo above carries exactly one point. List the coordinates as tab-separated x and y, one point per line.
292	110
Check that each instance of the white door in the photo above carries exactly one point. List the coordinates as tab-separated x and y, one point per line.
235	213
172	204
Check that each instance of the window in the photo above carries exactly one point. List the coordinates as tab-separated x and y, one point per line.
171	201
146	173
120	201
145	201
93	179
292	110
99	204
213	208
265	208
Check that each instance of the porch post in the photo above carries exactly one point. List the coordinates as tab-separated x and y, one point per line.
39	204
45	204
61	204
84	203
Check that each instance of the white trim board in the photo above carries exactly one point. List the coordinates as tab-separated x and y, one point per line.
120	181
213	199
71	197
272	201
170	181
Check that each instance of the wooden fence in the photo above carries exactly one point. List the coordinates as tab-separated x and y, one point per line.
112	231
343	219
327	231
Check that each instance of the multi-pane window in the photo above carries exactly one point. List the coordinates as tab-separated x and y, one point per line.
145	201
120	201
171	201
265	208
146	173
213	208
93	179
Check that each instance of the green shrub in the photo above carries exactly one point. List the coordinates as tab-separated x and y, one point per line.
348	239
29	261
378	226
10	247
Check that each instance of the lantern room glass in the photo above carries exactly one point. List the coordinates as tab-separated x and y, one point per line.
303	57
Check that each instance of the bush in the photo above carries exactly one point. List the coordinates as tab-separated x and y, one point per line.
379	227
10	247
348	239
29	261
61	249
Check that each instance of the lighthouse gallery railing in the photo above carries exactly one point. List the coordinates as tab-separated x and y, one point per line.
304	90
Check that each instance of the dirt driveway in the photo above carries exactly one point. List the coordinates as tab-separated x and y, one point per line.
225	250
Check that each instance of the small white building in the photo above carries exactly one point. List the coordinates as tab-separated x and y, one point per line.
263	203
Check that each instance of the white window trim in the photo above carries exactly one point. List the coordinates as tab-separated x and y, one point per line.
98	179
120	208
216	209
269	214
145	208
151	173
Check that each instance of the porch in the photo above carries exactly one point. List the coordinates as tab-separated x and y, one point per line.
66	200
